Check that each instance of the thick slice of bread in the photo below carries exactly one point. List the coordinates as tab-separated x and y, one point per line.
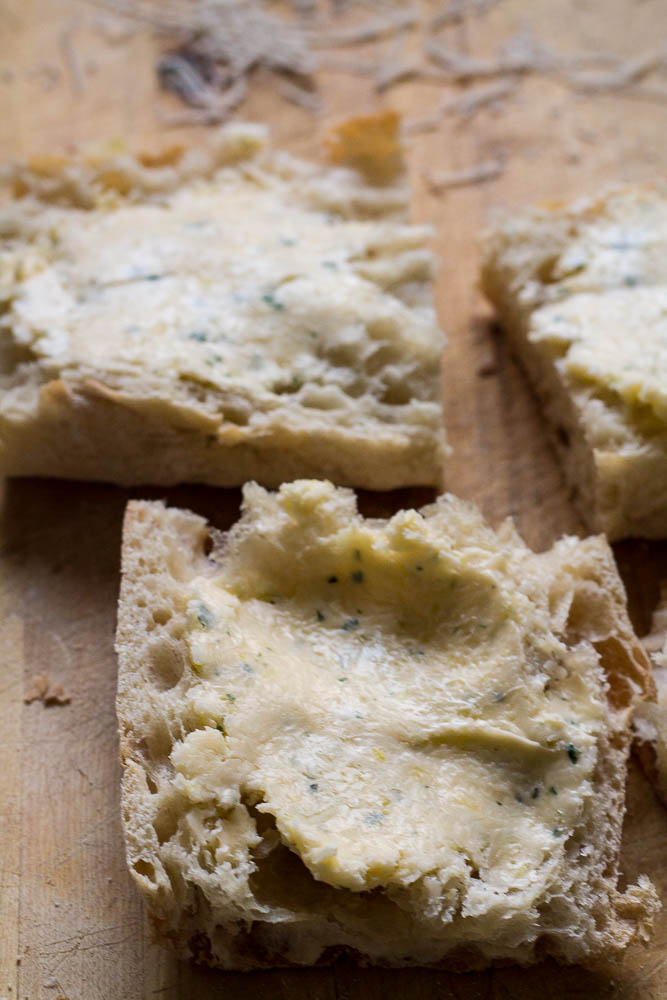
405	738
216	318
581	291
650	718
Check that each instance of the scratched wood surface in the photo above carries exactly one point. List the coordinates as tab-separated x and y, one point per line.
71	924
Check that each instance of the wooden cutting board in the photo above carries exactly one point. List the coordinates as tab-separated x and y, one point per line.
71	923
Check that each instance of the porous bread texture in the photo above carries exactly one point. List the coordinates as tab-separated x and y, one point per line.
650	718
215	317
580	290
229	876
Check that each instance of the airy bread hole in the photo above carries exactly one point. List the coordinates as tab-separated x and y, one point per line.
617	665
161	615
151	784
590	616
166	663
344	355
165	822
563	436
157	740
145	869
397	394
384	355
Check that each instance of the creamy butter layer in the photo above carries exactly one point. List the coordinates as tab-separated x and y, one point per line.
241	292
615	344
401	701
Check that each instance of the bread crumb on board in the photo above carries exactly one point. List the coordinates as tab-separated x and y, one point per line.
42	689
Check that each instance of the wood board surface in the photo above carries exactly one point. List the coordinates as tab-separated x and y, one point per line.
71	923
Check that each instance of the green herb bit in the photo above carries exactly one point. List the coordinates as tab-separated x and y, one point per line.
314	334
420	569
320	616
205	616
330	263
230	697
273	302
198	335
247	669
557	832
358	576
332	579
350	624
573	753
374	818
535	794
341	679
313	786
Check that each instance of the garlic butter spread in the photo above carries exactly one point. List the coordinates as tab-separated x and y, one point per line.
399	696
615	344
238	292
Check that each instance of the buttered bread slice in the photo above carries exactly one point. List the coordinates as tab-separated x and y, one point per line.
216	318
402	738
581	290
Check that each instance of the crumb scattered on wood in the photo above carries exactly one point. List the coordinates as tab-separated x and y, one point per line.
41	689
370	144
478	173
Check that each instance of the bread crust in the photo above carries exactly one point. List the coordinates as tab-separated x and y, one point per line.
650	718
164	550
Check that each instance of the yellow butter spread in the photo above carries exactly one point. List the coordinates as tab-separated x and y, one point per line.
399	696
615	343
242	290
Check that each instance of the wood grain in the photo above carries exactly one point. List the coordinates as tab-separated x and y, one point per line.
68	911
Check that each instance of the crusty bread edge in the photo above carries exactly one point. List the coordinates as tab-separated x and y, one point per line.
599	481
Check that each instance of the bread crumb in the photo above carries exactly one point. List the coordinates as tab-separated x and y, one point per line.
369	143
41	689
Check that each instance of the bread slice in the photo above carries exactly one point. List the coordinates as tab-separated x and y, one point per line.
406	739
581	291
650	718
216	318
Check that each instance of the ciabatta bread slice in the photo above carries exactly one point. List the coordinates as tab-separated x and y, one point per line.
406	739
222	317
650	719
581	291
